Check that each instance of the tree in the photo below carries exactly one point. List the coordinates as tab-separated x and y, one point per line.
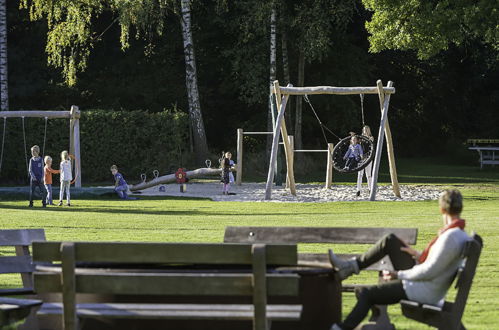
429	27
4	82
70	39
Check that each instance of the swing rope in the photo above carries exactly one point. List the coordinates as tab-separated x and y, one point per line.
3	141
25	150
362	108
44	137
305	97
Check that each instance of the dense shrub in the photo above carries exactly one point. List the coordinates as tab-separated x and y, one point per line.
137	141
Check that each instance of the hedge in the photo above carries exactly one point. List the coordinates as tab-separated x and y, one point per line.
137	141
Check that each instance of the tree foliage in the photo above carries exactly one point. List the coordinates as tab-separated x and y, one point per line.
431	26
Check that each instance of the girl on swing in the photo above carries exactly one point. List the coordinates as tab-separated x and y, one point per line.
354	153
366	131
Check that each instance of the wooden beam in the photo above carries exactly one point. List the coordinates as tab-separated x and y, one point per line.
76	143
292	155
259	283
290	174
35	114
239	173
69	286
329	170
333	90
389	142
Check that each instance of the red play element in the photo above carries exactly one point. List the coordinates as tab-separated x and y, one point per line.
180	175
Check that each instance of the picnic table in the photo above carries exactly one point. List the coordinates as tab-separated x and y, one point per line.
487	155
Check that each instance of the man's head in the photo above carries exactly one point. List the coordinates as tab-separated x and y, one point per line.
114	169
451	202
35	151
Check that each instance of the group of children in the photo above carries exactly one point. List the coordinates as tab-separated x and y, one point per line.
40	173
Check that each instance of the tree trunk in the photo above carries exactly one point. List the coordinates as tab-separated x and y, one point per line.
195	115
273	67
4	88
299	100
287	78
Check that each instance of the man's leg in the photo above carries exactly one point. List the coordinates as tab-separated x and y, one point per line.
389	245
383	294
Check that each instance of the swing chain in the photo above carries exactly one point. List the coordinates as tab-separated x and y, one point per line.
25	149
362	108
45	136
305	97
3	141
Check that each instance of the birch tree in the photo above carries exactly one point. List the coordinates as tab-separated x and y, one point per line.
273	70
4	85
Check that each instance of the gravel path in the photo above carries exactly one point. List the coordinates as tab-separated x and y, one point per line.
255	192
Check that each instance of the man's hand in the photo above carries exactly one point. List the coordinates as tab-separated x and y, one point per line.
407	249
389	275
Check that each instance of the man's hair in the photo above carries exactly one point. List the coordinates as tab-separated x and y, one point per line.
114	167
451	201
35	148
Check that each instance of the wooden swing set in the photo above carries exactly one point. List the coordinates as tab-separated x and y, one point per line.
74	130
281	96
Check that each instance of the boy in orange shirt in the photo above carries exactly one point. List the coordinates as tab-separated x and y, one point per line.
47	178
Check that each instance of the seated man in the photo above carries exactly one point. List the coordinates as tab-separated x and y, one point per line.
423	277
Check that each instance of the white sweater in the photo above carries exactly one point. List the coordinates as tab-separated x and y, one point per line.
65	168
429	281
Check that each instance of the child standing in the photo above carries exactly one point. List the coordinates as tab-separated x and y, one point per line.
366	131
354	153
66	177
47	178
226	168
36	175
120	185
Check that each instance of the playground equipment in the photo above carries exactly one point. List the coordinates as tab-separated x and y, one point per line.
171	178
281	96
74	136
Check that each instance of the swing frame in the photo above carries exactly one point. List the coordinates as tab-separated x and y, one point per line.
74	130
282	94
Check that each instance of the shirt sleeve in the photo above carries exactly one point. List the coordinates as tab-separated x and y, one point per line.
51	170
30	169
445	250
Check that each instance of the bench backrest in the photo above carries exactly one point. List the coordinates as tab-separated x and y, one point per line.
464	278
21	239
294	235
258	284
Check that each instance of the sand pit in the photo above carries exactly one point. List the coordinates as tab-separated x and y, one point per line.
313	193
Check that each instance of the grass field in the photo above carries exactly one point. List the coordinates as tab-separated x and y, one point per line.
182	220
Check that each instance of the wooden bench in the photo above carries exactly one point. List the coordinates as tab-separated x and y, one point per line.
14	310
193	283
326	235
449	315
21	264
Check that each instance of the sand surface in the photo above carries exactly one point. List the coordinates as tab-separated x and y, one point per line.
255	192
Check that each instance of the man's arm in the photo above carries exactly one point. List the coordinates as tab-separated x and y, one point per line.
443	252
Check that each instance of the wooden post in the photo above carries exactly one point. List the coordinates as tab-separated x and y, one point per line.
379	145
259	287
291	139
329	171
74	146
290	171
239	173
273	154
389	142
70	317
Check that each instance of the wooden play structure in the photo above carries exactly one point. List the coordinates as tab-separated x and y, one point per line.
281	96
74	130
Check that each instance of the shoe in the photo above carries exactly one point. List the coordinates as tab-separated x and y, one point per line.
30	205
59	204
44	205
68	204
358	193
335	327
344	268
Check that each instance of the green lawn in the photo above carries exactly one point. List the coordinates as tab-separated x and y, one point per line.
182	220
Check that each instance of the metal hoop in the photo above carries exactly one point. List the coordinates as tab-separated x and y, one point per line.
143	177
155	173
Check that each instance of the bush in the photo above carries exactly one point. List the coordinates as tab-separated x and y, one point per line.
136	141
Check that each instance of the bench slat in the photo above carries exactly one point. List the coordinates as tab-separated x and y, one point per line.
20	237
20	264
294	235
176	311
170	284
171	253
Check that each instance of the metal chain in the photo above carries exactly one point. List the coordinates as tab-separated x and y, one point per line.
44	137
3	142
305	97
25	150
362	108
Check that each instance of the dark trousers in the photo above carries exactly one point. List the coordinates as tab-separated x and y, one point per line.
37	184
385	293
351	163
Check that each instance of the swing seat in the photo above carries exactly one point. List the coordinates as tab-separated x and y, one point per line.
341	149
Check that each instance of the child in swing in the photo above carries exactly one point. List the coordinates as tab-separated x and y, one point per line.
226	164
354	153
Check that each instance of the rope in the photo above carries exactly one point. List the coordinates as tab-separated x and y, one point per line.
25	150
362	108
44	137
3	142
305	97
